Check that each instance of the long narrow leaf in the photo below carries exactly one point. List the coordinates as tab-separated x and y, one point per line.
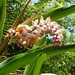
2	16
58	13
38	63
20	60
39	43
28	69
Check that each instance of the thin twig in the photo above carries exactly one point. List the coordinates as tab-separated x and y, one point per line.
31	18
5	42
20	15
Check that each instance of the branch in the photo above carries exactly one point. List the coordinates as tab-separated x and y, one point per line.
7	39
20	15
31	18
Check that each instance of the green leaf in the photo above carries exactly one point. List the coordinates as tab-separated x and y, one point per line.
41	42
1	3
20	60
2	16
28	69
33	68
60	12
38	63
57	13
17	64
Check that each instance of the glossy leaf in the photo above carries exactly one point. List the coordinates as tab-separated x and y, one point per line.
38	63
58	13
29	68
20	60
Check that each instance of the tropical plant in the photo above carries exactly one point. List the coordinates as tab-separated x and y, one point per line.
39	51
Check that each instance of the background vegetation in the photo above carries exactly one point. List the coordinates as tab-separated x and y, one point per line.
62	64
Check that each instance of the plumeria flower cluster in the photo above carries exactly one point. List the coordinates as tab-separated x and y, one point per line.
28	35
